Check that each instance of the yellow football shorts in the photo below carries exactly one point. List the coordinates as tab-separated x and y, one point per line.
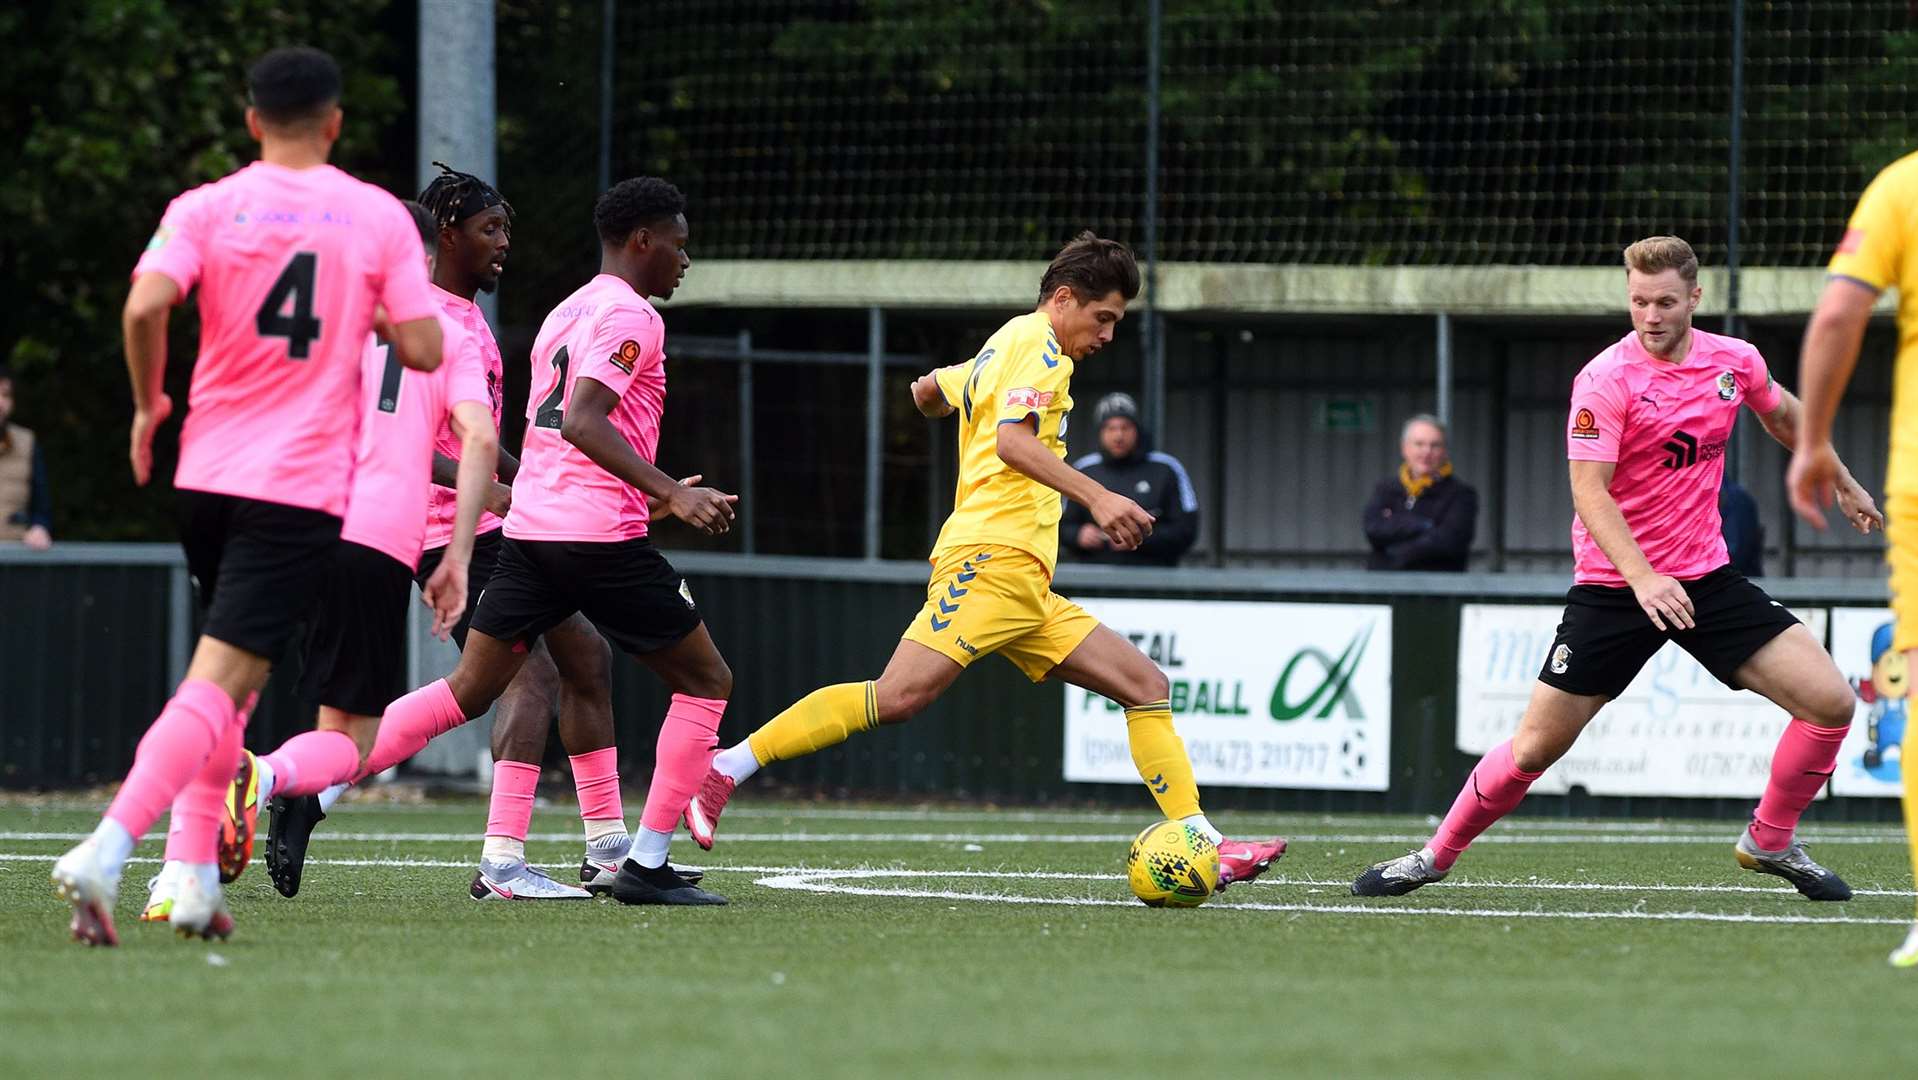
993	599
1901	551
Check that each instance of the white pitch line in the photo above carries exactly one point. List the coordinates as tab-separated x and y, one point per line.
811	883
1780	891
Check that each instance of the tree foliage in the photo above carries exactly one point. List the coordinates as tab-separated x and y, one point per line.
114	107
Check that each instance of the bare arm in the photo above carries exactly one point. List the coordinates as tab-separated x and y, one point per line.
1829	354
1125	522
1784	423
1663	599
499	493
445	591
416	343
587	426
928	398
144	324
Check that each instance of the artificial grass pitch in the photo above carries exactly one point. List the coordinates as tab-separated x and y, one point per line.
880	941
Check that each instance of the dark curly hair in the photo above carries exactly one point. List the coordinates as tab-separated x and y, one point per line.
634	204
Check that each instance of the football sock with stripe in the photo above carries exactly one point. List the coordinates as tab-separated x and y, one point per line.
1496	786
1159	755
1800	766
826	717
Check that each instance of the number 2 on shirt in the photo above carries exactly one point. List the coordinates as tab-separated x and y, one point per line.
298	327
551	413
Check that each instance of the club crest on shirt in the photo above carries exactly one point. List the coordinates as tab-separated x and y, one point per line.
1561	658
1727	386
626	355
1027	397
1584	425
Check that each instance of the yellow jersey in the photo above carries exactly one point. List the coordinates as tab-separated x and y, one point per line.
1880	249
1019	374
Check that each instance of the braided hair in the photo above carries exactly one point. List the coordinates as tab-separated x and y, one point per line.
454	196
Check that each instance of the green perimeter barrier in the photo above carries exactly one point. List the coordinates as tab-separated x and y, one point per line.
94	635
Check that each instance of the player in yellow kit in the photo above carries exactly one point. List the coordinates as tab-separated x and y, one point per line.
991	585
1879	251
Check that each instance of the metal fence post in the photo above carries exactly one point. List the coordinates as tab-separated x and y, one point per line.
747	530
1443	332
458	110
875	421
1153	339
608	33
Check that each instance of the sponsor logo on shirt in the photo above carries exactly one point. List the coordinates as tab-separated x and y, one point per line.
1584	425
160	236
1026	397
1727	386
1852	243
1683	450
626	355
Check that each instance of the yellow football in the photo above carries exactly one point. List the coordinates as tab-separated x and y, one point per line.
1172	865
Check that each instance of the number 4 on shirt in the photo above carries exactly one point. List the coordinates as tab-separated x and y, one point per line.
298	327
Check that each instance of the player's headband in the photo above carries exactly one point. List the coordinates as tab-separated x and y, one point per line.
464	196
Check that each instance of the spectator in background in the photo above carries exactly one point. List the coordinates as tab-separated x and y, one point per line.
1127	464
1423	518
26	510
1744	533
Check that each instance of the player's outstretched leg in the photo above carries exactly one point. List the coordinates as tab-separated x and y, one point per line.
914	678
1498	783
1796	674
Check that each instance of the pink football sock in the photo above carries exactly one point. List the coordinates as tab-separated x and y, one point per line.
1496	786
172	751
510	812
1800	766
193	829
410	723
687	740
309	763
596	778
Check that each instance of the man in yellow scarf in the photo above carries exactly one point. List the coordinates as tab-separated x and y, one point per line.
1423	518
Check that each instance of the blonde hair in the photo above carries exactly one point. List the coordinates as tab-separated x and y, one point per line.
1656	254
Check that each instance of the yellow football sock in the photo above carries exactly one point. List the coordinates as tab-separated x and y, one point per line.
1160	757
1907	765
826	717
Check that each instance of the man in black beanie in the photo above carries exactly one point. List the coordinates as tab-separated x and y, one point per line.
1127	464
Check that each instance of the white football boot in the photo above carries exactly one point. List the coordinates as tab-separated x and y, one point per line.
520	881
82	878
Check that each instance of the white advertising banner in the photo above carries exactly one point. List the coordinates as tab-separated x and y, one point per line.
1264	695
1871	756
1675	731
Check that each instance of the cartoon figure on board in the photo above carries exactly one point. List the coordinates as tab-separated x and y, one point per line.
1885	693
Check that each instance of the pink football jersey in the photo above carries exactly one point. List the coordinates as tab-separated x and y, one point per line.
393	463
608	333
1666	426
290	264
443	504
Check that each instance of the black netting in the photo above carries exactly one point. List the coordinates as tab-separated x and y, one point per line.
1448	132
